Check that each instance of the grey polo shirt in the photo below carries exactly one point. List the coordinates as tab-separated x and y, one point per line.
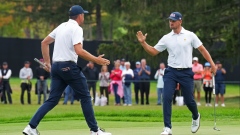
179	47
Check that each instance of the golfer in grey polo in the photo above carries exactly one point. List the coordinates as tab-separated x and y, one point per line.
179	43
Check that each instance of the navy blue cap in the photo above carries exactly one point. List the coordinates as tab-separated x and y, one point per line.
76	10
175	16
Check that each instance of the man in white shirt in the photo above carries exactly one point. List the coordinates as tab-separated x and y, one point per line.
5	74
68	45
179	44
159	76
26	75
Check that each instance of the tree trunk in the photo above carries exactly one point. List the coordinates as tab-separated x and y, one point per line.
99	22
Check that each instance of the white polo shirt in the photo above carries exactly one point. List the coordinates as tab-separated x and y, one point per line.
179	47
66	35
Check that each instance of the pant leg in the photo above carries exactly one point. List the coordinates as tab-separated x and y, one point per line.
136	90
170	84
101	90
117	97
45	90
129	95
185	78
8	90
147	91
39	88
66	94
107	94
206	93
125	94
158	95
72	95
4	95
210	94
79	85
23	88
142	92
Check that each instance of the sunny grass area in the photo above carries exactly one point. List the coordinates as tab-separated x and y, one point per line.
137	113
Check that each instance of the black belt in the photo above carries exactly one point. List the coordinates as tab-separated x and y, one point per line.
64	61
179	68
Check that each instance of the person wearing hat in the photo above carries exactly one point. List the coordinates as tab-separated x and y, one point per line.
26	75
136	81
207	83
219	83
68	45
5	74
179	43
197	69
122	65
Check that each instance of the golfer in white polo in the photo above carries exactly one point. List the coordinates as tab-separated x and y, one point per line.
179	44
68	45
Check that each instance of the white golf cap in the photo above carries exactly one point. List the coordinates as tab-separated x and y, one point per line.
195	58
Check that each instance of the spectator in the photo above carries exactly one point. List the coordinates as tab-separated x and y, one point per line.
104	82
197	68
219	83
116	83
136	81
159	76
122	65
144	74
207	83
177	93
5	75
127	76
26	75
91	73
42	76
68	92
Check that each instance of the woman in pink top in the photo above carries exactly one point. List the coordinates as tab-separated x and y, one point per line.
116	83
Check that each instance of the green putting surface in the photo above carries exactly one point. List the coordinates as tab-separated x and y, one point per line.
75	127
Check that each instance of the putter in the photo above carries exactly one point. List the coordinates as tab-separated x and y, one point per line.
39	62
214	93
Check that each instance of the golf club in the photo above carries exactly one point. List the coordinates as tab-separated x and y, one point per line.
38	61
214	98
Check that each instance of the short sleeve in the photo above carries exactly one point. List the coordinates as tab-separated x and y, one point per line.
160	46
196	41
53	33
77	36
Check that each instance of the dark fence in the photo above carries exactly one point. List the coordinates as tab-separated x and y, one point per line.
15	51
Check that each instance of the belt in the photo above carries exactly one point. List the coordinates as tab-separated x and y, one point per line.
63	61
179	68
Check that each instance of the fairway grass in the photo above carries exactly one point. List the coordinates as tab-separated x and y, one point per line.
75	127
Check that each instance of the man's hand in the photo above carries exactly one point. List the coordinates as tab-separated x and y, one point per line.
47	67
102	61
41	77
141	38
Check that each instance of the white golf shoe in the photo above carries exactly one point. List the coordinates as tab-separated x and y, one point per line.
29	131
166	131
195	124
100	132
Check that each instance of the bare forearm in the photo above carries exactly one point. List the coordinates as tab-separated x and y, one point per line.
207	56
45	52
149	49
87	56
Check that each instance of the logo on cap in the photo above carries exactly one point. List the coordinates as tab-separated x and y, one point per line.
172	15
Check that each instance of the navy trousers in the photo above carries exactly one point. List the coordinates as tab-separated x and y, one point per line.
184	77
63	74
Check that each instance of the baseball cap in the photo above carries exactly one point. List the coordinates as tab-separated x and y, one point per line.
218	62
5	63
122	59
207	64
76	10
26	62
195	58
175	16
138	63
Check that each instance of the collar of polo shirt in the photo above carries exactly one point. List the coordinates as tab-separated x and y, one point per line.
181	32
72	21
